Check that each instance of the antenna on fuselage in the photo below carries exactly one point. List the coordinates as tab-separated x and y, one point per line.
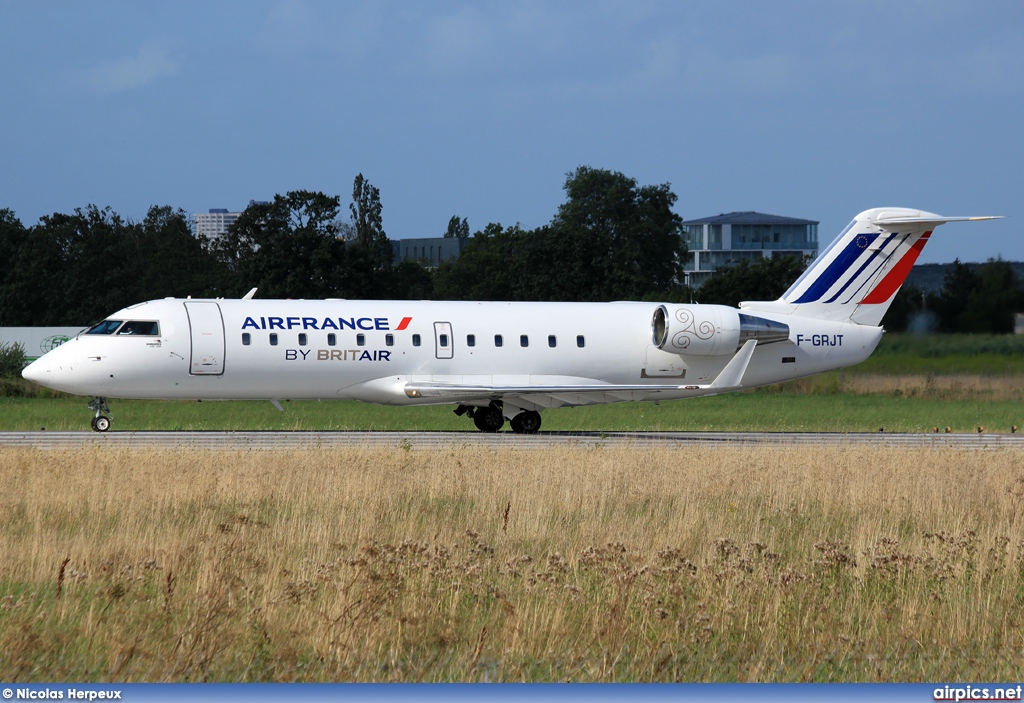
250	294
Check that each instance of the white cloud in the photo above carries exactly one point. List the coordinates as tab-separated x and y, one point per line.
298	27
151	63
458	42
707	70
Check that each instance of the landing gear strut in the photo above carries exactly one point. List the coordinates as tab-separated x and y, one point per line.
101	422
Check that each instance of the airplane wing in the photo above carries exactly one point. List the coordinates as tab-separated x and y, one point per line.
584	392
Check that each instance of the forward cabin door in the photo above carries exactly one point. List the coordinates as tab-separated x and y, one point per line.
206	326
443	340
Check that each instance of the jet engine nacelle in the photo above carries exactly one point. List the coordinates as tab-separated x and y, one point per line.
710	330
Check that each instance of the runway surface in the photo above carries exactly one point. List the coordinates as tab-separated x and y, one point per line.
504	440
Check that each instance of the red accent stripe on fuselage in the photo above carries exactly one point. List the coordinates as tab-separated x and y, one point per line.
894	279
403	324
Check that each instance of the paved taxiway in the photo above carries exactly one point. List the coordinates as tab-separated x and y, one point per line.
504	440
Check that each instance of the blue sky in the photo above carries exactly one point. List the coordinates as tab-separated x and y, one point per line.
816	109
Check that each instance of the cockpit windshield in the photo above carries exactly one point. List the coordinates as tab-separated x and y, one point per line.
105	327
135	328
140	327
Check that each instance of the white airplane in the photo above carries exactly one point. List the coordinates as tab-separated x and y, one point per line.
497	360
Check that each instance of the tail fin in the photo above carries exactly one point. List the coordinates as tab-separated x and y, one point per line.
859	273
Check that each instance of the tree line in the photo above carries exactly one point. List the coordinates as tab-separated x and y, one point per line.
611	239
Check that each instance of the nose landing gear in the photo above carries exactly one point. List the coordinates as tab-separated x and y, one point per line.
101	422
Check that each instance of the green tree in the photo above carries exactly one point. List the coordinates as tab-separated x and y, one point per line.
370	251
171	260
12	359
13	236
765	279
411	281
908	303
997	299
612	239
978	299
496	264
457	227
73	269
951	304
288	248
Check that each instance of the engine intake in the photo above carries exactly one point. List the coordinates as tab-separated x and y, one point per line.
710	330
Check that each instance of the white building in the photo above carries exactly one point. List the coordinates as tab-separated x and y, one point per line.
214	223
727	239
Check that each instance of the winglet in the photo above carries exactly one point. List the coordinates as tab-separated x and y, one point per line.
250	294
732	374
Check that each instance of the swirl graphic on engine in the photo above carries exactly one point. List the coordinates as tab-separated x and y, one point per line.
703	329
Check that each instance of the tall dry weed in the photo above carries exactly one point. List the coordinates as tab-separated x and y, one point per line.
703	563
946	387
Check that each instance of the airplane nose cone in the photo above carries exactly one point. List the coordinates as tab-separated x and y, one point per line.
37	372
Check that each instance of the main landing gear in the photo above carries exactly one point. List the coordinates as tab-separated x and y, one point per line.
491	418
101	422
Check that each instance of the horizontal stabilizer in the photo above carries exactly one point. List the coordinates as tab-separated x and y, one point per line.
931	220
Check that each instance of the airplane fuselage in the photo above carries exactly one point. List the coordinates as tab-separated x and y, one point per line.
375	350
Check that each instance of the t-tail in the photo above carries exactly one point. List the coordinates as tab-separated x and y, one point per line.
859	274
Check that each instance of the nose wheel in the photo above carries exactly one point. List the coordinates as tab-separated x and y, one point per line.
101	422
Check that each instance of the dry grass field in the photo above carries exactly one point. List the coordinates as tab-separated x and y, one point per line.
701	564
946	387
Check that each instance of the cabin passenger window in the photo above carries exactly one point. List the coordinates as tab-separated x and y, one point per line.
443	339
415	340
246	338
524	341
273	339
360	340
389	339
332	339
580	341
552	342
139	327
498	340
302	339
470	340
105	327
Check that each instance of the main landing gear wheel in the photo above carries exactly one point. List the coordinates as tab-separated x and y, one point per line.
488	419
526	422
101	422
